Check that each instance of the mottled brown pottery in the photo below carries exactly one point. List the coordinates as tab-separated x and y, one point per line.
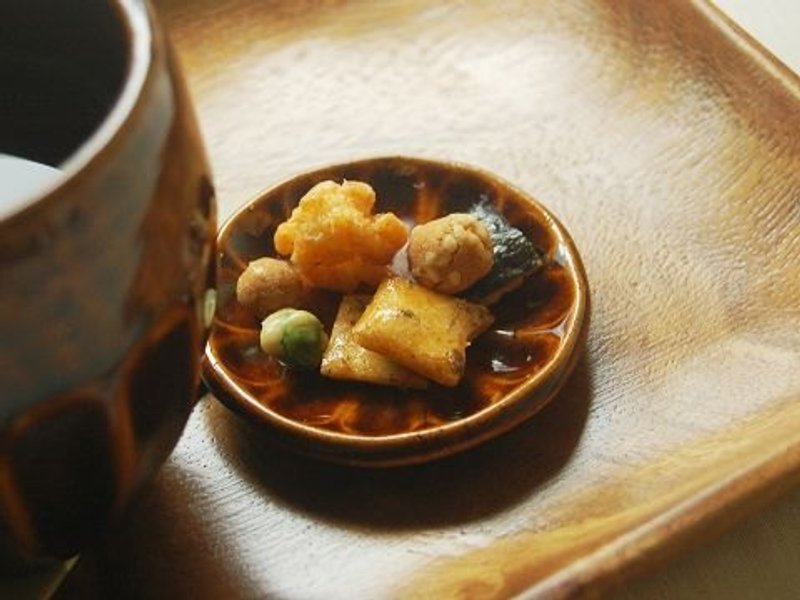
512	370
103	275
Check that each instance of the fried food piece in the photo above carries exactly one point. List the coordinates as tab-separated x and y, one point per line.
345	359
422	330
450	254
334	240
268	284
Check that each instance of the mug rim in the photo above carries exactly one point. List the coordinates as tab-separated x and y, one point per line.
137	39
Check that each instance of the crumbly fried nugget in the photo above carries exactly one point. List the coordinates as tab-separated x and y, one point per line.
334	240
451	253
268	284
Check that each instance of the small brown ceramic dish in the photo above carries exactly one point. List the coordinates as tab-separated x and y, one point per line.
513	370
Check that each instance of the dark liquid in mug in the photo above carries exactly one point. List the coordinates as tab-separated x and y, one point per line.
61	72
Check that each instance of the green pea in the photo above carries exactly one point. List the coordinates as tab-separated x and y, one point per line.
295	337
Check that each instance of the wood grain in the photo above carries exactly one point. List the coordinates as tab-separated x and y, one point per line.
668	145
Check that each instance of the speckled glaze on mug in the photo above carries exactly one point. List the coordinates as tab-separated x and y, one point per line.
103	275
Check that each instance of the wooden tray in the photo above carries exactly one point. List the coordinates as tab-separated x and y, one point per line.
668	143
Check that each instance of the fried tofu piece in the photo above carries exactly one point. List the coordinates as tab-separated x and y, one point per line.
423	330
346	359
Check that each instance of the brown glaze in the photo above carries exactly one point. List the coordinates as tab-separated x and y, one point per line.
103	277
535	329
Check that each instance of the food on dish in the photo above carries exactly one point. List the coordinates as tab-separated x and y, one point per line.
295	337
451	253
515	257
412	329
346	359
268	284
336	242
512	369
421	329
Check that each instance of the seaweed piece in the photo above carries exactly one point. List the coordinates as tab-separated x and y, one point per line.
515	257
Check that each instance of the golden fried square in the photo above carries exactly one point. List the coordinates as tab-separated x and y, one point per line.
423	330
346	359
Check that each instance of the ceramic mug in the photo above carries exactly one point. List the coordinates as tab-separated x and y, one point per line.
104	271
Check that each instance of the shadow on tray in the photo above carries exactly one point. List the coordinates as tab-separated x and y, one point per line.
458	489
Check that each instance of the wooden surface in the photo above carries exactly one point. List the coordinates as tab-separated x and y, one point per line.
671	149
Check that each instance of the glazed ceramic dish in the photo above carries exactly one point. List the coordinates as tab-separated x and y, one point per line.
669	144
512	370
